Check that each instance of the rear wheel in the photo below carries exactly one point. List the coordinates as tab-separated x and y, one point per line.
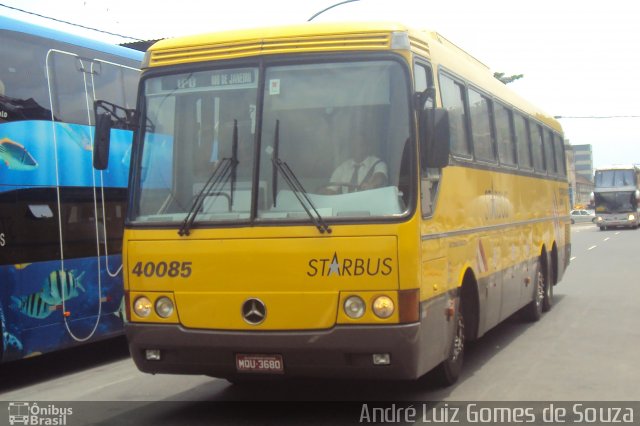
449	370
533	311
547	301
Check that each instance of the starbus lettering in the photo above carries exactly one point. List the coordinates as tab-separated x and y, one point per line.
355	267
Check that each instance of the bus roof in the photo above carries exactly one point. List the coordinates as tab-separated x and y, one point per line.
11	24
282	31
343	36
620	167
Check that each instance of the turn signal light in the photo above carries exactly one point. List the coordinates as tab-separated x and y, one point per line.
409	305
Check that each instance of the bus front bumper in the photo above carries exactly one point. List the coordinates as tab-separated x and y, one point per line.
626	220
342	351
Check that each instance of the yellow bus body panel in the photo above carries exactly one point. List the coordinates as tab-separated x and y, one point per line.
298	279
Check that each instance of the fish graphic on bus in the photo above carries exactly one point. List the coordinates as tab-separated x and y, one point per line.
11	342
61	283
16	156
20	266
32	305
41	304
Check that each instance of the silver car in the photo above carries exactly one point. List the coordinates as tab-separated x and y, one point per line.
581	215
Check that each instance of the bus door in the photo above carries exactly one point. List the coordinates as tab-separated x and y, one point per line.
80	270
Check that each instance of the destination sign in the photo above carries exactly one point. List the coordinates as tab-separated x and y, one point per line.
227	79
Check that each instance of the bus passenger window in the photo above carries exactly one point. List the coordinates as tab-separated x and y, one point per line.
522	140
453	99
549	154
560	158
536	147
504	132
481	126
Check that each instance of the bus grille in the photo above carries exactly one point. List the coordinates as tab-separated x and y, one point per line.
357	41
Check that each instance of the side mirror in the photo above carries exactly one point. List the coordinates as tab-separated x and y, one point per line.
434	138
108	116
102	140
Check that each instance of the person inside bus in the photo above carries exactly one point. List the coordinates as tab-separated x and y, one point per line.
360	172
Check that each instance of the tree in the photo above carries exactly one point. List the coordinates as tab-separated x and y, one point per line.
506	80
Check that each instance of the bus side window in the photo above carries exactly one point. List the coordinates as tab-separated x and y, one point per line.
454	101
522	140
549	153
560	157
504	132
536	147
481	113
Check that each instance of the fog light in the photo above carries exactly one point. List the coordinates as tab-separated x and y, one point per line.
383	307
354	307
164	307
152	354
142	307
381	359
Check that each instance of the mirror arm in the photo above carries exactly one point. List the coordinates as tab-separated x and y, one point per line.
421	98
121	118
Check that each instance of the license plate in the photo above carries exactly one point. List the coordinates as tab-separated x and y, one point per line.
250	363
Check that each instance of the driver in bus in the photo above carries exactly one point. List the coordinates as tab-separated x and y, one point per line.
360	172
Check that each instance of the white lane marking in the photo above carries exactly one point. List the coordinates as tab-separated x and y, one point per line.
591	248
607	239
573	258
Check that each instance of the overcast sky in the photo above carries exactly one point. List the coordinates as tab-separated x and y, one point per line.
579	58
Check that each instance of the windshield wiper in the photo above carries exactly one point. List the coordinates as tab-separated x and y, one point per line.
219	176
225	170
295	185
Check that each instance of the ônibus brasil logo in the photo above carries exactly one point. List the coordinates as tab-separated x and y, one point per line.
31	414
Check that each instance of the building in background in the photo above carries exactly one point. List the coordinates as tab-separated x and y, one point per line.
583	158
580	174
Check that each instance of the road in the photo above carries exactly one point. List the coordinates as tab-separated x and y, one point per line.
585	349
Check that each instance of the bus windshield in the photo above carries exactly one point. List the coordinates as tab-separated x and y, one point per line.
333	138
615	178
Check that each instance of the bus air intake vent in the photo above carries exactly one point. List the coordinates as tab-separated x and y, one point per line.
419	46
227	50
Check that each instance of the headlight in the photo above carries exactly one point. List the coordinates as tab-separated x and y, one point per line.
142	307
383	307
599	219
354	307
164	307
632	217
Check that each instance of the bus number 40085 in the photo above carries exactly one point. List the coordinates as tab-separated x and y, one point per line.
170	269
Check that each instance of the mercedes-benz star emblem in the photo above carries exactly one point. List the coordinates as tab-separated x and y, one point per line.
254	311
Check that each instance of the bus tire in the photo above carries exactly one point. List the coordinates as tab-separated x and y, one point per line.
533	311
448	371
547	301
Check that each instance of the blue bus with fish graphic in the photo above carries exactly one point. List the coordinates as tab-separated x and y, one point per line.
60	220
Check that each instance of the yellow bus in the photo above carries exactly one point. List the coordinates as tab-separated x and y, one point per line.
333	200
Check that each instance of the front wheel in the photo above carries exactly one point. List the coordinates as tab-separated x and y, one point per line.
449	370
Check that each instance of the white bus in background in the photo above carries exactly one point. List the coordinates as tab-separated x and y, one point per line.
616	195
